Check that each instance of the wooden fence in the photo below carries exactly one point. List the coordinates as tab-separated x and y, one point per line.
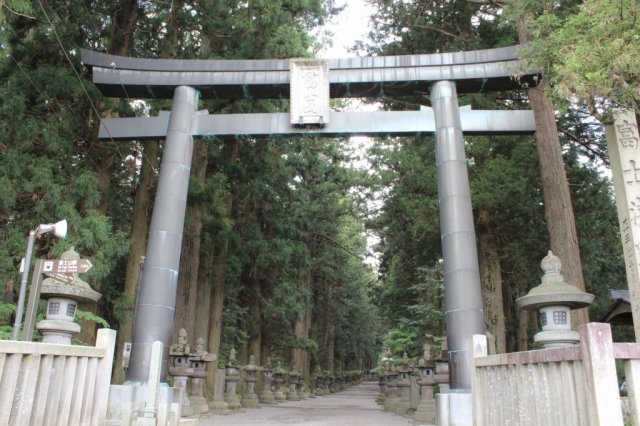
575	385
46	384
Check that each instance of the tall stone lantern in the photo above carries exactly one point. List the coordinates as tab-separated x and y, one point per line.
555	298
63	298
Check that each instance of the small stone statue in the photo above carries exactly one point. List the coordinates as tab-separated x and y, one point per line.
232	357
252	360
405	360
268	363
182	347
427	352
201	353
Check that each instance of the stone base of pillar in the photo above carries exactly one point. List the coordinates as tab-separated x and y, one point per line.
232	401
250	401
390	401
425	413
401	406
267	397
301	394
293	395
199	404
219	407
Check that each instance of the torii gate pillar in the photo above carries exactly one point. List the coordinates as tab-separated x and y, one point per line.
159	285
463	297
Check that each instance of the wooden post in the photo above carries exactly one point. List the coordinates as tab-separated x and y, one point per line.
599	369
478	349
632	377
623	143
106	340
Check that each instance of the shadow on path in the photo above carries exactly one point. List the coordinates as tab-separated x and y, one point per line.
355	406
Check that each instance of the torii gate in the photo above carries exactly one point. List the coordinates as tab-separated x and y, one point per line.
311	83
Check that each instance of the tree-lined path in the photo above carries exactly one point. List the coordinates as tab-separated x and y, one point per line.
353	406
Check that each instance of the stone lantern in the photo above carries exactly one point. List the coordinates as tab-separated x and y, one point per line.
231	381
266	396
278	383
180	369
62	304
442	366
426	411
198	359
294	377
555	298
403	387
250	399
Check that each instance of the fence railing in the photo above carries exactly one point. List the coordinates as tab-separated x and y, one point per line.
575	385
46	384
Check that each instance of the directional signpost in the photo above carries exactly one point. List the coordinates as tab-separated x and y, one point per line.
66	266
60	269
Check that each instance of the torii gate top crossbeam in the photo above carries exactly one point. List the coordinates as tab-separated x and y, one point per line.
473	71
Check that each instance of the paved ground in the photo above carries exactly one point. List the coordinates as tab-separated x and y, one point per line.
355	406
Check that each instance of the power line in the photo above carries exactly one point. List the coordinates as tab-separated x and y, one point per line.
95	110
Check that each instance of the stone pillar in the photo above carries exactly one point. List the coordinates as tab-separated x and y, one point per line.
382	378
250	399
623	142
218	405
463	298
300	388
157	295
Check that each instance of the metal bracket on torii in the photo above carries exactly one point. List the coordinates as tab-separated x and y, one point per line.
440	76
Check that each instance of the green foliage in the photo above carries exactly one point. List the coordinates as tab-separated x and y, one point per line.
588	50
88	316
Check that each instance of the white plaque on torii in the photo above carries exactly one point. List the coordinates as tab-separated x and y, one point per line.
309	92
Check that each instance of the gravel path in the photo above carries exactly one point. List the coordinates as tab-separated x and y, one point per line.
355	406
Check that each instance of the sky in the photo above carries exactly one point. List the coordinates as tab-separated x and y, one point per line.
350	25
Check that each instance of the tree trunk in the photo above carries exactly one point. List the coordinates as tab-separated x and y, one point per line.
558	209
299	356
523	335
203	295
142	208
216	303
255	313
186	296
124	22
491	283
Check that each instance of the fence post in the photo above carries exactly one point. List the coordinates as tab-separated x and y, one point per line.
479	349
106	340
632	377
599	368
